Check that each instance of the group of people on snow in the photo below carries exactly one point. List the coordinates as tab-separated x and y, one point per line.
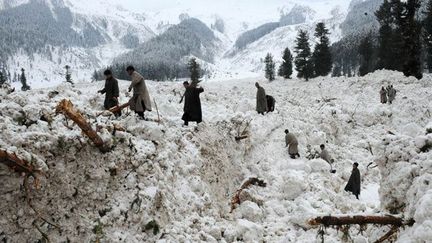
141	102
387	94
354	181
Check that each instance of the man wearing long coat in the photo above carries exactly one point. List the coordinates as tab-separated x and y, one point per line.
111	91
292	144
354	181
261	106
391	94
140	101
383	95
192	106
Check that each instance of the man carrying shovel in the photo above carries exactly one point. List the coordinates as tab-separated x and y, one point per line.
326	156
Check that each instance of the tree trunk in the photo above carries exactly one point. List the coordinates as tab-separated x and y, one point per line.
16	164
117	108
66	108
359	219
235	200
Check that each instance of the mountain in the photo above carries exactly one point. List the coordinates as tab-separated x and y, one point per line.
90	35
169	51
251	47
42	36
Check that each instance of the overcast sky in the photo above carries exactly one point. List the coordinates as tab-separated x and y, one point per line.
156	5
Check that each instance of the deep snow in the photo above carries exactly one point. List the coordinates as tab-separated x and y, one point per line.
184	177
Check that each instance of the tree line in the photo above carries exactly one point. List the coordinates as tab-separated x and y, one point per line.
308	63
402	43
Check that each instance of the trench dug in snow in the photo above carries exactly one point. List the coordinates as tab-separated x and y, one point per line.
183	178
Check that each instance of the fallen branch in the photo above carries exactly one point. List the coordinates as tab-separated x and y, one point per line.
66	108
235	200
363	220
239	138
117	109
360	220
392	231
19	165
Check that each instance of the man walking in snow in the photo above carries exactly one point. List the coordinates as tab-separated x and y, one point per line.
261	106
270	103
111	91
192	106
354	181
140	101
292	144
391	94
383	95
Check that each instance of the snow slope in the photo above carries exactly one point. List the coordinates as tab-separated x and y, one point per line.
183	178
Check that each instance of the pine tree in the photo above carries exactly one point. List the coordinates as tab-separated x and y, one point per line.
396	47
303	61
413	64
427	26
23	79
269	67
195	70
322	58
384	17
285	69
2	78
68	74
366	51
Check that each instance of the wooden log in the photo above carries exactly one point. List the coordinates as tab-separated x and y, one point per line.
359	219
235	200
66	108
118	108
16	164
239	138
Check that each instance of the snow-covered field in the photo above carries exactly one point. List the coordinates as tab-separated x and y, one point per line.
183	178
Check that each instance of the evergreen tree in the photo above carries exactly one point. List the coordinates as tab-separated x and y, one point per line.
285	69
413	64
322	58
427	26
366	51
385	18
2	78
195	70
269	67
23	79
396	47
337	70
303	59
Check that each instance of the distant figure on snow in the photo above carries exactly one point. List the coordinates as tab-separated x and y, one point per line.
192	106
111	91
391	92
383	95
140	101
292	144
261	106
324	154
271	102
354	181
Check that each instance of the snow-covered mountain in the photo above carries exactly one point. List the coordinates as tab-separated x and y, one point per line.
89	35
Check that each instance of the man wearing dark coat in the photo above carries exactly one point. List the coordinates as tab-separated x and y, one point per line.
192	105
270	103
261	106
111	91
354	181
